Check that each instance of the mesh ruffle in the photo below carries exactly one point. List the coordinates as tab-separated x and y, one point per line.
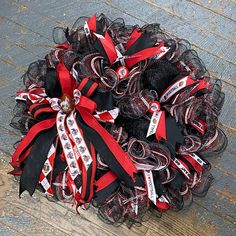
145	83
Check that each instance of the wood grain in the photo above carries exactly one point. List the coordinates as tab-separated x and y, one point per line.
26	28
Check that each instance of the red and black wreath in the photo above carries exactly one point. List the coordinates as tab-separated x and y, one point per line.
119	116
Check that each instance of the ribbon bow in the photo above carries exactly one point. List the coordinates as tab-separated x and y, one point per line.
138	48
70	123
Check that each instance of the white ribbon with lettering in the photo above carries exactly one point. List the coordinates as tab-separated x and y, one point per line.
182	168
150	186
174	88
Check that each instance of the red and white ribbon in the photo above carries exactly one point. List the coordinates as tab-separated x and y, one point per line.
199	125
70	156
150	186
177	163
107	116
157	124
78	140
196	162
163	51
176	87
151	190
34	95
156	116
195	157
48	166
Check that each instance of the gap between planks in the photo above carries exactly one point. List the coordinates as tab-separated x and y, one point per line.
110	4
171	33
180	17
210	9
168	218
11	229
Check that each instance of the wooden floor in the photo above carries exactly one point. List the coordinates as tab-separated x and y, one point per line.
25	36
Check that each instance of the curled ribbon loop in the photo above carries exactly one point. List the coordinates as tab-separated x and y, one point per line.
55	104
77	95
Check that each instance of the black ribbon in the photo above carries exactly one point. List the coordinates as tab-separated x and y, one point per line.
104	151
33	165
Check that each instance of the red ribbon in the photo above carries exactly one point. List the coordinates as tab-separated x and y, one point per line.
92	23
114	147
158	121
162	205
133	38
196	165
143	54
86	108
108	46
161	128
24	144
105	181
66	80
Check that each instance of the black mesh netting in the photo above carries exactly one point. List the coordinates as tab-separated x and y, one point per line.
166	121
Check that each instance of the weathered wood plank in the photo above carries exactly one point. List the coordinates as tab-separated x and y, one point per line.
208	45
221	198
224	8
27	36
20	36
60	216
228	115
18	220
206	216
5	230
91	215
11	56
181	223
198	16
218	67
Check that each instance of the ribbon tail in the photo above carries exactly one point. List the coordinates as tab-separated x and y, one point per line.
105	186
158	51
34	163
83	152
66	80
45	178
135	35
17	157
114	156
161	128
161	205
91	24
107	47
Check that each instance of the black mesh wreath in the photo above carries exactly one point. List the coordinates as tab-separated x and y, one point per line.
145	83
